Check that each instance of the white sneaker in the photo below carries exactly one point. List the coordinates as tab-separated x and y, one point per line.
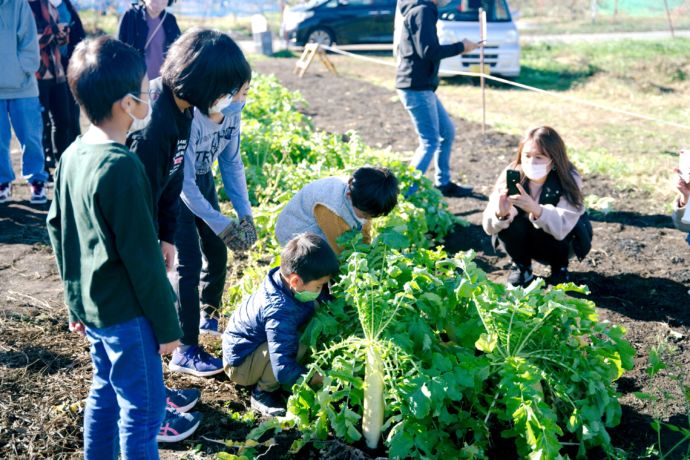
38	193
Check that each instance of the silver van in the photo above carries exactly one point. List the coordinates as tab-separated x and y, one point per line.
459	19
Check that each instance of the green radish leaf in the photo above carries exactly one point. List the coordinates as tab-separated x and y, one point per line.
486	343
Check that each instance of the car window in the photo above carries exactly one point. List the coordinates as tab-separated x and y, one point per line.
468	10
346	3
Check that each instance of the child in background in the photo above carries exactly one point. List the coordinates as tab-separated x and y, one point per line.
149	28
332	206
536	223
201	232
116	287
261	342
59	126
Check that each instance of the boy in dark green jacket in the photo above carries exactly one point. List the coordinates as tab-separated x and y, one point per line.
101	228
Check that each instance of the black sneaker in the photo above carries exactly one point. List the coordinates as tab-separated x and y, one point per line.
269	403
453	190
520	276
559	276
5	192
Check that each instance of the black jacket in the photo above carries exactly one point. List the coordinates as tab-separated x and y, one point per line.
133	28
419	51
161	146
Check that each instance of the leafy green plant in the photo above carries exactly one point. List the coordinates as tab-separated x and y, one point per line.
418	348
662	358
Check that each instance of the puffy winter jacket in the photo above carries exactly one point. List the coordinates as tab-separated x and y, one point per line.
273	315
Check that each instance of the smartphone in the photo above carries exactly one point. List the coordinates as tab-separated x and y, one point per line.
512	179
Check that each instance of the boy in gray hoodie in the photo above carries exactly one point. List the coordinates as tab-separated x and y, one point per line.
19	99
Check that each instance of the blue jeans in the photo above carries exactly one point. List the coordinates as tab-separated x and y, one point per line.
127	397
25	115
435	130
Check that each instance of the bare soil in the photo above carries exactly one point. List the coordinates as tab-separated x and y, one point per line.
637	272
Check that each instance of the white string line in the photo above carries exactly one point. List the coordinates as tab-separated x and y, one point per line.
527	87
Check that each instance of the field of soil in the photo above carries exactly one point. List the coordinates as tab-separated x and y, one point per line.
637	272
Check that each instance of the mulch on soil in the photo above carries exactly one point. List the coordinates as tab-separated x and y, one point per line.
637	272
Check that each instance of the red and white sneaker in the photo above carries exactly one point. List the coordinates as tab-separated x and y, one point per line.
38	193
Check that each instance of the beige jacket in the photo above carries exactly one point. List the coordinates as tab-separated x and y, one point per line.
558	221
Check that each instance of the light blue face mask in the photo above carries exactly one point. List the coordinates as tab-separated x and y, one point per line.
235	107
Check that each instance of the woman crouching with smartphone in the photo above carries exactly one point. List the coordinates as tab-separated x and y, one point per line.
535	206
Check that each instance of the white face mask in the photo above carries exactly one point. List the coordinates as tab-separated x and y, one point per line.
140	123
55	3
221	104
536	171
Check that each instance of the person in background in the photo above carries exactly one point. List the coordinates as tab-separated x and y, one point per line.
419	56
19	105
70	23
54	94
537	223
149	27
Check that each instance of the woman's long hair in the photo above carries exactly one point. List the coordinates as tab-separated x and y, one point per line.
550	143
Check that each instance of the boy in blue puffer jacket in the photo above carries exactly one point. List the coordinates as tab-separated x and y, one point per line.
261	342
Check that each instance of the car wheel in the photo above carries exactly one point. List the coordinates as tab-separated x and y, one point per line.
321	36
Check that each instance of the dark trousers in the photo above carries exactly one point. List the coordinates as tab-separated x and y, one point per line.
525	243
200	269
59	126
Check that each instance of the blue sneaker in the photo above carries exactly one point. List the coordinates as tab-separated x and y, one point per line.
208	325
195	361
182	400
178	426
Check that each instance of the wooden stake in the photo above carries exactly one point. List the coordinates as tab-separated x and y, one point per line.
482	38
668	16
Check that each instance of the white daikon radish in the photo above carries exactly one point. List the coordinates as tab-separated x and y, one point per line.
372	419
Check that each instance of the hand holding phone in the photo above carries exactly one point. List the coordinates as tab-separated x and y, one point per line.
512	179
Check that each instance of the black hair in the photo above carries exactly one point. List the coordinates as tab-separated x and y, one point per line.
310	257
374	191
203	65
102	71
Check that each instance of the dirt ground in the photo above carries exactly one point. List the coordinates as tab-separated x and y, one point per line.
637	272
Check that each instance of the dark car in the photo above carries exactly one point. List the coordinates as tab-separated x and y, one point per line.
340	21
